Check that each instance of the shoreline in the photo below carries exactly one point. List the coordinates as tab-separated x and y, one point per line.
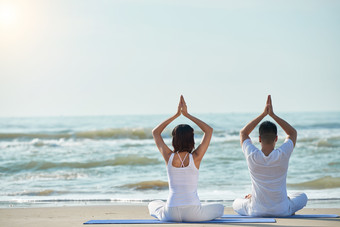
74	216
36	203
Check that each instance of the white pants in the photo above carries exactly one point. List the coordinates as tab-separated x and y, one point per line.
296	202
190	213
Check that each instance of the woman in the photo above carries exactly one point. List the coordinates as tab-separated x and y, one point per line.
183	204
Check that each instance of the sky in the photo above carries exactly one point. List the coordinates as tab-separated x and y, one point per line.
81	57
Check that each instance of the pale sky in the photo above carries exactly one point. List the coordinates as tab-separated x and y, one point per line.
80	57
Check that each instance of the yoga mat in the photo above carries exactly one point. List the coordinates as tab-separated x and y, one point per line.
292	216
155	221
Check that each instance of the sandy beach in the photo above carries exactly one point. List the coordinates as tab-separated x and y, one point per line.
77	215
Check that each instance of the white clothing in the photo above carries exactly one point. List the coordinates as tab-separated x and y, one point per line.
182	184
296	202
189	213
268	176
183	204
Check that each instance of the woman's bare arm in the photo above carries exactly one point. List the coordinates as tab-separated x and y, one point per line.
202	148
157	131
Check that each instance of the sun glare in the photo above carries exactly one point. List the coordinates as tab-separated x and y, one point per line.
7	15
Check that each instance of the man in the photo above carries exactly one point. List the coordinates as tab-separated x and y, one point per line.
268	169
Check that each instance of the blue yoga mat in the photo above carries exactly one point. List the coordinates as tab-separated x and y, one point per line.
154	221
292	216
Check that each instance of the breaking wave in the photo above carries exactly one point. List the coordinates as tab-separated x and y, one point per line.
326	125
115	133
45	165
46	192
147	185
320	183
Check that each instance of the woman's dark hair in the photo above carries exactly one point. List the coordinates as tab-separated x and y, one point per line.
268	132
183	138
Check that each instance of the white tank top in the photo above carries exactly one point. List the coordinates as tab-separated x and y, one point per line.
182	184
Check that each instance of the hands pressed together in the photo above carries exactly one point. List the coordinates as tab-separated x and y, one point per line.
182	107
268	110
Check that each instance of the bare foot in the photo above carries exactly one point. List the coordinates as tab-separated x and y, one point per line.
248	196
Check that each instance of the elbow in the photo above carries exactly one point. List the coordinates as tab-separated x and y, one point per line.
242	132
293	132
243	135
154	132
209	130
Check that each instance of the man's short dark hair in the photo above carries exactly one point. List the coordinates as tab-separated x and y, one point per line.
268	132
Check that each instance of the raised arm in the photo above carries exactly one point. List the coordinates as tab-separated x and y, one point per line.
202	148
156	133
289	130
246	130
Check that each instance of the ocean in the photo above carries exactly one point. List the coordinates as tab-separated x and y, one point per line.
58	161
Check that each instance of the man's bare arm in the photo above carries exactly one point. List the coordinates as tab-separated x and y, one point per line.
289	130
245	132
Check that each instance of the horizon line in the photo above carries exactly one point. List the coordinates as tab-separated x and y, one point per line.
159	114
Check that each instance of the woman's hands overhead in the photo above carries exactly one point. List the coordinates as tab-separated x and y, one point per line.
182	107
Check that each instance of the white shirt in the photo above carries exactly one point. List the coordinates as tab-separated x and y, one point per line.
268	176
182	184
